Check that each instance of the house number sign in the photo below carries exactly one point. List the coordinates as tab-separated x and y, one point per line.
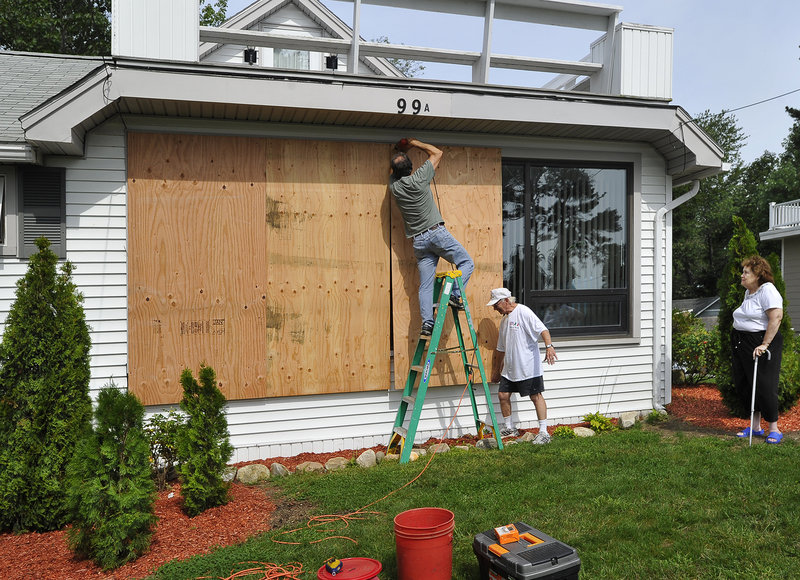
425	104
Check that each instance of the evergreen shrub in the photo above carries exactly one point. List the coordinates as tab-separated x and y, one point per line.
694	348
162	435
110	487
44	394
203	444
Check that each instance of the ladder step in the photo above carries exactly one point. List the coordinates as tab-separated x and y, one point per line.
410	400
402	431
417	368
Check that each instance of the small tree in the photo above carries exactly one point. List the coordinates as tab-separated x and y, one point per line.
44	394
203	445
110	489
162	434
742	246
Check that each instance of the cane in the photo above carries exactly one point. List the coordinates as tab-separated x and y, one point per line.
753	398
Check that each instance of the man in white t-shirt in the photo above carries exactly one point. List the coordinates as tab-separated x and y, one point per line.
517	354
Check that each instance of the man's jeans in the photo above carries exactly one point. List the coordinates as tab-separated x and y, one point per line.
428	248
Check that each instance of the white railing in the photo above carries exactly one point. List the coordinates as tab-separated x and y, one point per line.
784	215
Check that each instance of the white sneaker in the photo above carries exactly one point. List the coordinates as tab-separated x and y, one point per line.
541	439
509	432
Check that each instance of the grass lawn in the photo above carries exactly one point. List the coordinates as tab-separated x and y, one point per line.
633	504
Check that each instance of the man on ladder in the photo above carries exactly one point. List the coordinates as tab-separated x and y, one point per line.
425	226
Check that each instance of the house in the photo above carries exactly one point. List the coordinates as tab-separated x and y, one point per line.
784	225
223	195
706	309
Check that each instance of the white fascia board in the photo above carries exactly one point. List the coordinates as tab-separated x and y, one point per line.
779	234
56	120
18	153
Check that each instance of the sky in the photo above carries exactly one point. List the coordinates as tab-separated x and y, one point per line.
727	54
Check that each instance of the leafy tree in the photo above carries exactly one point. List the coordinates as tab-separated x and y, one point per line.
79	27
203	445
702	226
743	245
44	394
409	68
212	13
109	487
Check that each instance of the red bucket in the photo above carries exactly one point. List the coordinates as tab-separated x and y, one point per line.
353	569
424	541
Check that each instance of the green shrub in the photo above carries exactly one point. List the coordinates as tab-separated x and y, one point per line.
599	423
656	417
162	435
110	488
694	348
203	445
44	394
564	431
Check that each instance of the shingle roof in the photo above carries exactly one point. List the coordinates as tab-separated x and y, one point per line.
30	79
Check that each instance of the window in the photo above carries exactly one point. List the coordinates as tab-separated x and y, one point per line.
32	204
566	243
295	59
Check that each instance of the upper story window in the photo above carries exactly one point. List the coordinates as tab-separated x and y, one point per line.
566	232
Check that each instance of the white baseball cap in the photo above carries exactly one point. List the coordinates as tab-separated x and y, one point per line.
499	294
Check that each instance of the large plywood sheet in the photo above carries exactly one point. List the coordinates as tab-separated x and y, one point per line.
328	262
196	263
469	188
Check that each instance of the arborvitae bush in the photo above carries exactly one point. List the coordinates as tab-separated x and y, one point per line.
203	444
110	488
44	394
731	292
162	434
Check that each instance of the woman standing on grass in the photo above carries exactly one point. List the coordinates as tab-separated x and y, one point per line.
756	326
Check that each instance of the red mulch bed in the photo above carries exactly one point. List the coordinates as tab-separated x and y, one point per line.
178	536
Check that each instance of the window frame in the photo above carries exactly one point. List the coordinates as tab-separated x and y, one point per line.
624	297
10	226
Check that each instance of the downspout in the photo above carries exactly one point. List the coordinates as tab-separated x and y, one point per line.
658	360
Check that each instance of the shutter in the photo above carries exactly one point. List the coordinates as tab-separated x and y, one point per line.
43	210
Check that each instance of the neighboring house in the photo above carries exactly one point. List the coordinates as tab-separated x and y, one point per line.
784	225
237	214
706	309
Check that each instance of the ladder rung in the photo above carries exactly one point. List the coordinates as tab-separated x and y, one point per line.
402	431
410	400
417	368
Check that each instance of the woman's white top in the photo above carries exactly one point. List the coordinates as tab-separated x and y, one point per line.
751	316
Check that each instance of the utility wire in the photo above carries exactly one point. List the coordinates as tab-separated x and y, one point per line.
759	102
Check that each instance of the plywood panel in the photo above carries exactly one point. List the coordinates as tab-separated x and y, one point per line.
328	261
468	183
196	263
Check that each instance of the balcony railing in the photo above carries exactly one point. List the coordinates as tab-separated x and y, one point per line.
784	215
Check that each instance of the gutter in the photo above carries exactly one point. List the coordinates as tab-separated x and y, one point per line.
18	153
657	307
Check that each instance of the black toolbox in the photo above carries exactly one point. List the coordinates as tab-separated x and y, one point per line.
534	556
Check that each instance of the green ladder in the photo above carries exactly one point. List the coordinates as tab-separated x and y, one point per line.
443	287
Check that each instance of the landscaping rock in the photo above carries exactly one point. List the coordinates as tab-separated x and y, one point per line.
278	470
414	456
527	437
419	451
380	456
336	463
583	432
312	466
254	473
462	447
392	456
628	420
439	448
487	443
367	459
229	474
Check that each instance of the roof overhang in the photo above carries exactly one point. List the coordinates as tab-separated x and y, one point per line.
230	92
18	153
779	233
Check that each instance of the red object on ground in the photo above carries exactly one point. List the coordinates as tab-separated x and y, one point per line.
353	569
424	542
